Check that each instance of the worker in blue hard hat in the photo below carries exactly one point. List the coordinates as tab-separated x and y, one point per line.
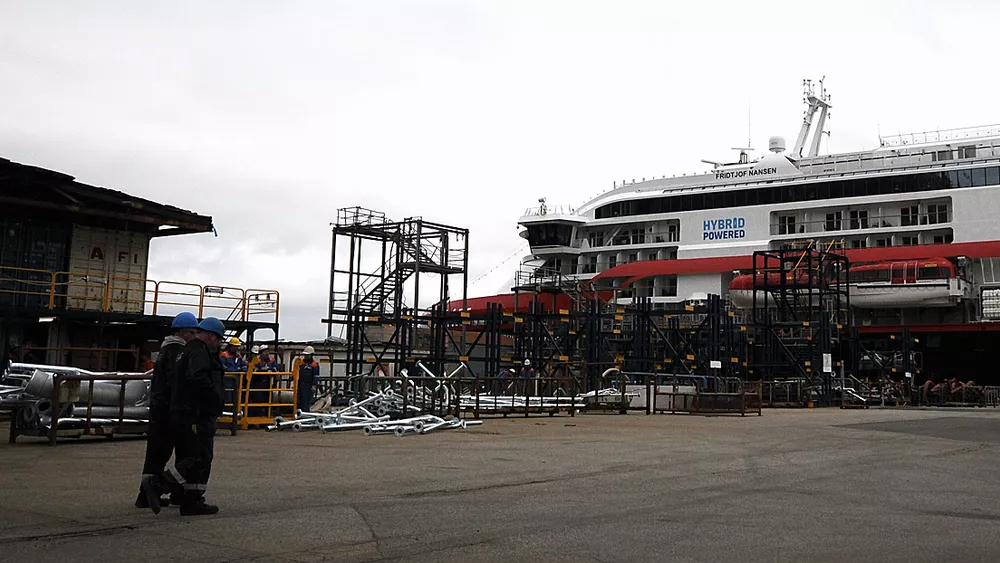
195	406
159	438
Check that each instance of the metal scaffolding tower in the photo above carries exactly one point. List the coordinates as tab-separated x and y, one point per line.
387	278
801	318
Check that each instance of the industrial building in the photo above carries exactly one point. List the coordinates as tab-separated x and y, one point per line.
74	288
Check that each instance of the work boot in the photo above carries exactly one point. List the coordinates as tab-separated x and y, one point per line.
198	509
176	499
151	492
141	502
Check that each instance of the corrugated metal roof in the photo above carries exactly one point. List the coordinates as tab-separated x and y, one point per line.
83	198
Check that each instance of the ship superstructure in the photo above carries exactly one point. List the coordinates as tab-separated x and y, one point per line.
918	212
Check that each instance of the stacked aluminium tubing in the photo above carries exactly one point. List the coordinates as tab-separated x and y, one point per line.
378	414
29	387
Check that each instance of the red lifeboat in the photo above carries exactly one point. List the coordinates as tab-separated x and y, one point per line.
741	289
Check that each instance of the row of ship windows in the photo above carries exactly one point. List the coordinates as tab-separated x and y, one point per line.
634	236
591	264
887	241
909	216
886	274
858	187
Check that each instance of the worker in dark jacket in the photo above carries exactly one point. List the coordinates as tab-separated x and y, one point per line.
159	440
195	406
308	374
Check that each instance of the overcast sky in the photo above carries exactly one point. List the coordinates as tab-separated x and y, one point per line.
269	116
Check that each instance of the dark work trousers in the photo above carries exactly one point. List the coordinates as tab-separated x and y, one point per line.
195	443
159	444
259	380
304	400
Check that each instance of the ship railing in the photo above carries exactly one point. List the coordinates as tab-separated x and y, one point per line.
847	225
940	136
543	210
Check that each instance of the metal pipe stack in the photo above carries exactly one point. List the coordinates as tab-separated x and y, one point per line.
514	402
29	387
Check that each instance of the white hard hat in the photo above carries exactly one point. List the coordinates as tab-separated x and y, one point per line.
308	350
527	362
255	349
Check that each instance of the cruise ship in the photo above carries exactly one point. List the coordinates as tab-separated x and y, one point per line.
915	216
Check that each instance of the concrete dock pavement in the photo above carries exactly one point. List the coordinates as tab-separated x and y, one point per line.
791	485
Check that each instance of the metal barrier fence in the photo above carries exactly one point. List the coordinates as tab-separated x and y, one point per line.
784	393
943	395
700	395
506	396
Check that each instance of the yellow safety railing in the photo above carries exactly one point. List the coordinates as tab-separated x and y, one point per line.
268	394
126	294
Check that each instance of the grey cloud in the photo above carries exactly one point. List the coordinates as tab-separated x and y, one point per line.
269	116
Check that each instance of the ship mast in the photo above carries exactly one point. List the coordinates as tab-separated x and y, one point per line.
814	101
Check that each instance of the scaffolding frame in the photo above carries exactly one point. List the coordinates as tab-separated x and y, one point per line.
378	297
801	313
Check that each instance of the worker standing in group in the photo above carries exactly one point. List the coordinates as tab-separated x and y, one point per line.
308	374
233	362
259	392
270	359
195	406
159	438
231	358
527	374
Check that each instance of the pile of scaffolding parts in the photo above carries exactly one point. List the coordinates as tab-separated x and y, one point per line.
92	400
381	413
27	389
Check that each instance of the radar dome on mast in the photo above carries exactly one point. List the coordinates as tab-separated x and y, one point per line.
776	144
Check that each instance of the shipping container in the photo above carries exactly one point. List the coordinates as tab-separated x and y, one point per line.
31	252
107	267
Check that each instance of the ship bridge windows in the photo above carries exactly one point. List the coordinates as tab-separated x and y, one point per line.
553	234
770	195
